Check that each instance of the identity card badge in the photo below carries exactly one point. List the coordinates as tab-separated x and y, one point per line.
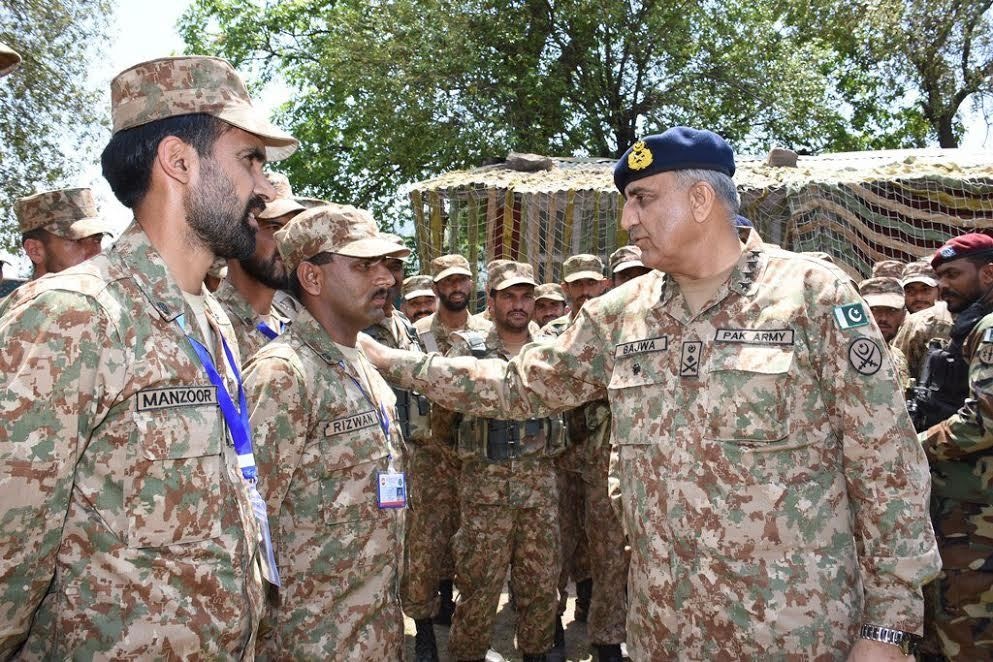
391	489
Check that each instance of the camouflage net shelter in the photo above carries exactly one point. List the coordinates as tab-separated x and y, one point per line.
859	207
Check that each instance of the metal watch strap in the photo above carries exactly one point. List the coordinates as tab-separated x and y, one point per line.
906	641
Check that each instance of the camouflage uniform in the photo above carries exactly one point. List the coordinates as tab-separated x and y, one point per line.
434	469
917	330
319	448
772	489
129	533
961	451
508	517
245	320
70	213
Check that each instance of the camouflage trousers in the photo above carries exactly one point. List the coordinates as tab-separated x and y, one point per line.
431	521
491	538
958	605
572	525
608	557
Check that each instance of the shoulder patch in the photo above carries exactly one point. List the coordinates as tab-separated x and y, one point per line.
851	316
985	352
865	356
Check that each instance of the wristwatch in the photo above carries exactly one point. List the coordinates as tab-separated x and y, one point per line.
907	642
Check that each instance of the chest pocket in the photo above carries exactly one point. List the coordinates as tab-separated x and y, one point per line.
172	494
640	392
351	451
750	393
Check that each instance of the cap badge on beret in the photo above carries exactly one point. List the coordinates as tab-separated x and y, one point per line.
947	252
640	156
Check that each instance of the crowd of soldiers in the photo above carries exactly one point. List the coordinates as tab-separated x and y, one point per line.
223	439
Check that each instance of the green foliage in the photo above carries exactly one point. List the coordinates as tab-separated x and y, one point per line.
49	118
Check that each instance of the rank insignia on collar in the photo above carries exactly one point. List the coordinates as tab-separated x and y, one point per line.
640	156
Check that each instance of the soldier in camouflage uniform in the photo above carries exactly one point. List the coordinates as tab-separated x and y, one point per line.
435	465
625	265
246	293
507	492
59	229
920	286
923	324
884	296
419	299
549	303
328	442
772	490
888	269
128	518
959	614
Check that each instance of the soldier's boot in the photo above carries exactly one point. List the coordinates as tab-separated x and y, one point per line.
447	607
557	654
584	592
609	653
425	647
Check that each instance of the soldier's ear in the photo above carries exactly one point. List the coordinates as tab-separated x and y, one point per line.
35	250
311	278
986	275
702	198
176	159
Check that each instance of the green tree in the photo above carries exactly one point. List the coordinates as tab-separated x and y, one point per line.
49	118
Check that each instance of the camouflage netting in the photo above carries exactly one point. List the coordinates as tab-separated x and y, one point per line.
857	207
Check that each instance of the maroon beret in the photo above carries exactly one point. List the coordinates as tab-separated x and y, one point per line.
974	243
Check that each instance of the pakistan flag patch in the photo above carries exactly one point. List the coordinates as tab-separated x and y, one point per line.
851	316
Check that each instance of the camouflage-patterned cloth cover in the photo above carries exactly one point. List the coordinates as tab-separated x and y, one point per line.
320	447
70	213
244	319
509	517
773	491
919	328
128	529
959	613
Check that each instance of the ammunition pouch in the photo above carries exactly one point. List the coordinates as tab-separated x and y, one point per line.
497	440
413	411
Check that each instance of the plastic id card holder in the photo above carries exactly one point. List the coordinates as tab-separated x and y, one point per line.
391	489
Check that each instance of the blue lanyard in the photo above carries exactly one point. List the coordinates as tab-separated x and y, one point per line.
236	419
267	331
384	420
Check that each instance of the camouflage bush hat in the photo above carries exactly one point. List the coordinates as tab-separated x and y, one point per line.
449	265
625	257
919	272
172	86
582	266
69	213
284	203
888	269
417	286
9	59
551	291
340	229
508	273
883	291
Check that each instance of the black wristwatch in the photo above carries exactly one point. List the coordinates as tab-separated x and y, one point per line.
906	641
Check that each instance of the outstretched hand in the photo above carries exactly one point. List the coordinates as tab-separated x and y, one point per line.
375	352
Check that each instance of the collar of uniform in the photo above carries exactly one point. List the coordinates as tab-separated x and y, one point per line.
140	259
312	334
493	340
229	296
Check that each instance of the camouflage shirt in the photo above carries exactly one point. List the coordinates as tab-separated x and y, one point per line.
128	530
397	331
526	482
917	330
244	319
320	447
772	486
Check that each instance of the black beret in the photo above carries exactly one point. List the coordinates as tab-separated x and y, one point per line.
679	148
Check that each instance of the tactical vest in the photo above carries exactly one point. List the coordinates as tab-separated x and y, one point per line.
498	440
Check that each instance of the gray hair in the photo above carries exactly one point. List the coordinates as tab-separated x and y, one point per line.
723	185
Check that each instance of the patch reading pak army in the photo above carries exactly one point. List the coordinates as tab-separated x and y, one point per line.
176	396
755	336
865	356
689	360
659	344
366	419
851	316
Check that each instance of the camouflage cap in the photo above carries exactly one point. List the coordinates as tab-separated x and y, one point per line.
507	273
284	203
340	229
888	269
9	59
883	291
551	291
309	203
449	265
185	85
69	213
396	239
582	266
625	257
919	272
417	286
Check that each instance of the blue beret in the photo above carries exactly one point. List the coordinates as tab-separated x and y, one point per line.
679	148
